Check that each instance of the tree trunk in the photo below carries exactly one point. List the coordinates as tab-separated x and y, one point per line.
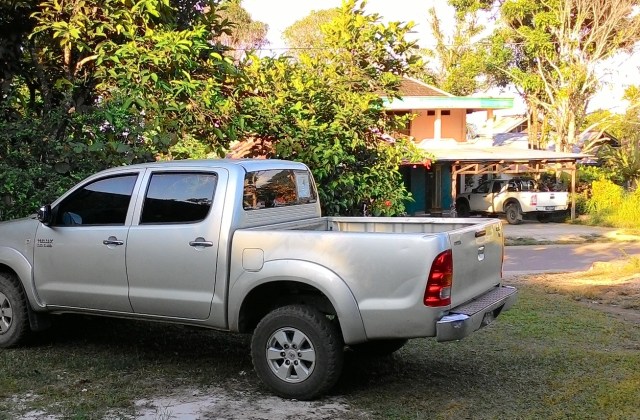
571	133
534	126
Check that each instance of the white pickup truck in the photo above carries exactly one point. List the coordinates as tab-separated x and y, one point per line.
516	198
241	246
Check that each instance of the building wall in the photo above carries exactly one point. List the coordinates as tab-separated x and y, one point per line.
453	125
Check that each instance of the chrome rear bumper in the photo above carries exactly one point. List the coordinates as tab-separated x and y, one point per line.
471	316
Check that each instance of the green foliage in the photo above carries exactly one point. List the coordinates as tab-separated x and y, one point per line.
551	50
456	63
306	33
623	161
245	33
611	205
324	109
108	83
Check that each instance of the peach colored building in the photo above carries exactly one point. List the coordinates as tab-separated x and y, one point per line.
440	119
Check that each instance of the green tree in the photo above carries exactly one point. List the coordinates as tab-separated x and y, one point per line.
624	161
457	62
244	34
307	33
551	50
109	83
324	109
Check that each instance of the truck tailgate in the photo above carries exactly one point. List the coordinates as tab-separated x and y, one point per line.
552	200
477	260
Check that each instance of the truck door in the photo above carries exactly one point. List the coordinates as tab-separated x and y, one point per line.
79	260
481	198
496	198
172	250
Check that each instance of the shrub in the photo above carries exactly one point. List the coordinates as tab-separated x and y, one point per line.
611	205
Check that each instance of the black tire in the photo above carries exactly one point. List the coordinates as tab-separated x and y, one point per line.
561	216
544	217
462	208
14	318
379	348
306	350
513	213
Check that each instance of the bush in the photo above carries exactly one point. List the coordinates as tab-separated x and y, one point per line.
611	205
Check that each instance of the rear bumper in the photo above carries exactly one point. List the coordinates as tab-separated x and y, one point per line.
471	316
551	209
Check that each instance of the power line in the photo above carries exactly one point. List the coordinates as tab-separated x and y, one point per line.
471	44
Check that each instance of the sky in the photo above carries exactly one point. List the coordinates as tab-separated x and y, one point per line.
619	72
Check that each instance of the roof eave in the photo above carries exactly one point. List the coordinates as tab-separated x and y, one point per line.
446	102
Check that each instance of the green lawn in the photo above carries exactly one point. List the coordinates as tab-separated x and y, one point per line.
549	357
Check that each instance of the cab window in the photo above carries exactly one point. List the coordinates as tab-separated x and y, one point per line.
102	202
178	197
277	188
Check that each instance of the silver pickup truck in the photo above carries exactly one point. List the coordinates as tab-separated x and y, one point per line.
241	246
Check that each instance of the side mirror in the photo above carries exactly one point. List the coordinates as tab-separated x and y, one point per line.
44	215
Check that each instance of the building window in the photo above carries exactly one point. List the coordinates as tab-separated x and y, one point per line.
443	112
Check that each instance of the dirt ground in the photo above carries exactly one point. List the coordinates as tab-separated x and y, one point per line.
218	403
213	403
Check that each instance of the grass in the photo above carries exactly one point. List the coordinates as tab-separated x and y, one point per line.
614	283
84	367
549	357
520	241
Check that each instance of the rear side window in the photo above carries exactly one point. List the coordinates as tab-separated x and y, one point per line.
178	197
102	202
277	188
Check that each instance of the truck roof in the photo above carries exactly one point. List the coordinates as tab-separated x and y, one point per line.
249	165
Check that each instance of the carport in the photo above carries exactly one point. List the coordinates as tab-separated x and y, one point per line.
460	159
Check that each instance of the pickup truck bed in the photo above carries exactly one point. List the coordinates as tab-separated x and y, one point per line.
390	297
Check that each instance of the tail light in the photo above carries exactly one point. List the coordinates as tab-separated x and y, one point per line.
534	199
438	292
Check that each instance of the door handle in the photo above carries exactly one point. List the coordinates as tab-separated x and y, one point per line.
112	240
201	242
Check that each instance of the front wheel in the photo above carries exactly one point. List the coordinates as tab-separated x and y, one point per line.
297	352
513	213
14	320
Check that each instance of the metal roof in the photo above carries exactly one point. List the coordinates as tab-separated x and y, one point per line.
414	87
451	151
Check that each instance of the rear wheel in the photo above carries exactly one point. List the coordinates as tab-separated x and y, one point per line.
463	209
297	352
513	213
544	217
379	347
14	319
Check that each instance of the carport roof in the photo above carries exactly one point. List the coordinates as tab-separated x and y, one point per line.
472	159
462	152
